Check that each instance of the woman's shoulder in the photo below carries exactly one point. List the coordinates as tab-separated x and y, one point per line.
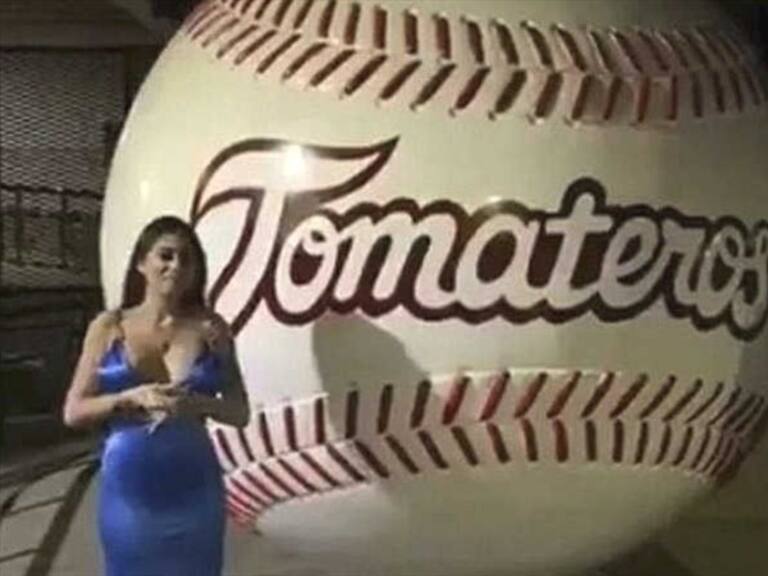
104	326
107	319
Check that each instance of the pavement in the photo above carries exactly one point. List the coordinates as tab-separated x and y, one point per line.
48	527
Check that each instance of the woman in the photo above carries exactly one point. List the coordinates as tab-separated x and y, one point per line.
153	371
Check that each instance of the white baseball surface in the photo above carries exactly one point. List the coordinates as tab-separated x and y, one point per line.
498	271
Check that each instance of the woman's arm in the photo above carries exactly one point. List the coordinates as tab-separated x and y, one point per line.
84	406
232	406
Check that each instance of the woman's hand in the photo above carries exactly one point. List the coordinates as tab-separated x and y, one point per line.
150	398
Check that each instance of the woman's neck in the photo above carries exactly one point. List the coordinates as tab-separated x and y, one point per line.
159	309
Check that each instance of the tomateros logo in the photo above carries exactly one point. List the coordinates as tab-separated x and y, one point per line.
301	255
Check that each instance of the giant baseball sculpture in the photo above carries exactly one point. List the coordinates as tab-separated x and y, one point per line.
498	271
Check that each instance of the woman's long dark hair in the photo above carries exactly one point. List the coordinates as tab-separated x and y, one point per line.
134	284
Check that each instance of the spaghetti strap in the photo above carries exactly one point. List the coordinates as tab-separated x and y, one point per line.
118	312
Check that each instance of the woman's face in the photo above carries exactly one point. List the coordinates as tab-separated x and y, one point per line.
169	267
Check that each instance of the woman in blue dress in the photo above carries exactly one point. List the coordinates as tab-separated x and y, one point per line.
152	372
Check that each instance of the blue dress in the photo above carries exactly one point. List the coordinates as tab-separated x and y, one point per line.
161	499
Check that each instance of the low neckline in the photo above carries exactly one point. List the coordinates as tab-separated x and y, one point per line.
120	343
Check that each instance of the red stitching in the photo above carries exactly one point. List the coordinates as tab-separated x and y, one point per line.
606	381
235	40
739	412
319	470
629	396
539	44
732	399
402	455
398	80
228	25
260	12
614	91
411	32
628	51
713	455
530	396
558	405
495	395
751	419
370	459
507	43
245	445
353	19
302	14
571	47
276	480
259	485
305	57
510	93
350	417
475	37
465	445
659	398
432	451
497	441
198	15
666	440
455	398
208	25
365	74
643	97
345	464
319	420
245	505
268	61
702	449
471	89
284	471
636	65
336	62
250	494
707	403
529	437
618	441
266	437
684	401
433	85
729	456
249	50
246	6
642	443
225	447
548	96
420	404
293	473
654	49
561	441
379	28
683	451
289	421
281	12
673	98
324	26
443	37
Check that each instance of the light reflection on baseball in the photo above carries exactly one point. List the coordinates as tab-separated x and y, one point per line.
498	270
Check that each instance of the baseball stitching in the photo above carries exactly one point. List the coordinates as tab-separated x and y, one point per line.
401	58
631	76
330	442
